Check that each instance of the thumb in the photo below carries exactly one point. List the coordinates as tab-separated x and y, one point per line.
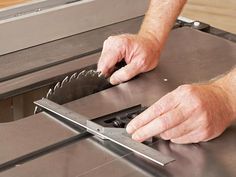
125	73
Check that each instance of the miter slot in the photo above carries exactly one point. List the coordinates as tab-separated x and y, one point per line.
95	129
40	152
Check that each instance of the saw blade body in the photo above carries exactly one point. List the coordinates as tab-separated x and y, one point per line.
76	86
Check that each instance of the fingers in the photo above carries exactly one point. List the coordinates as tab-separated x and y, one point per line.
113	52
186	115
125	73
159	125
165	104
139	52
200	134
192	137
180	130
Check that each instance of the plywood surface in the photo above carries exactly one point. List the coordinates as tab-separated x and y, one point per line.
218	13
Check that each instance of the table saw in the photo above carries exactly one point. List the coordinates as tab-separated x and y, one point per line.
44	43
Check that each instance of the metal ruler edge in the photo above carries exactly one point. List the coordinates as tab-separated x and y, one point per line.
116	135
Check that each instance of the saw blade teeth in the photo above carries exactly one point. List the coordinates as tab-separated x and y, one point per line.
73	76
56	86
65	80
89	73
82	73
94	73
49	93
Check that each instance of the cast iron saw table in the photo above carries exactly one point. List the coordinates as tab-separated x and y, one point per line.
189	56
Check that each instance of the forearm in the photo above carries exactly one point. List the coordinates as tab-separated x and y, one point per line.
160	18
228	85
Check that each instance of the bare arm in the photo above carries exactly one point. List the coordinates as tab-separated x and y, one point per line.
228	84
160	18
141	52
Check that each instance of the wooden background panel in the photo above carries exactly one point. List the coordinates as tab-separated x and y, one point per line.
5	3
218	13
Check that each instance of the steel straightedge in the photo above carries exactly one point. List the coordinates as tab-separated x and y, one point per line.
116	135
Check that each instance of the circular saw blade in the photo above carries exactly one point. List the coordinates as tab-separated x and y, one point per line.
76	86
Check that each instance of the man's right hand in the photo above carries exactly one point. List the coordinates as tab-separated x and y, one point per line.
140	52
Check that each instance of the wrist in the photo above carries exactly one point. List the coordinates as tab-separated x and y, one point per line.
228	96
152	38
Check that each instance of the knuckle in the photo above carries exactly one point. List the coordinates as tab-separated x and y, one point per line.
142	64
205	121
106	43
157	109
191	93
197	103
111	38
120	43
186	88
164	123
115	41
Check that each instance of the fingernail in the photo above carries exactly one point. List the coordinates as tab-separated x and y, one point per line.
113	80
129	129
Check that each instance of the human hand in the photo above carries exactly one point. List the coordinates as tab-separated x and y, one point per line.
140	52
189	114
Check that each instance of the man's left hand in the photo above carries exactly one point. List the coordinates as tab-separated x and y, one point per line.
189	114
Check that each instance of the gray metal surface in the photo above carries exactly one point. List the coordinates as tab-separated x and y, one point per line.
28	136
204	57
55	59
62	21
30	82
